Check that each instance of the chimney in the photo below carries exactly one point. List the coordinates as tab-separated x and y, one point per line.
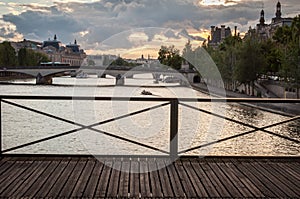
222	32
212	31
235	31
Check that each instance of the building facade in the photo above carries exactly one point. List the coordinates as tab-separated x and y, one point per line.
71	54
217	35
266	31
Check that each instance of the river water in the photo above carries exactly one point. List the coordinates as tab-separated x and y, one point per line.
151	128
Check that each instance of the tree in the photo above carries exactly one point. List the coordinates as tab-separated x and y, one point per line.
28	57
169	56
7	55
250	62
273	55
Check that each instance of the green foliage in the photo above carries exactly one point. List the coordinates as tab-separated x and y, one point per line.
251	61
28	57
121	62
7	55
170	56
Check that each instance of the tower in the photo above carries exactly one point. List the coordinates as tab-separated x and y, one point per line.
262	17
278	10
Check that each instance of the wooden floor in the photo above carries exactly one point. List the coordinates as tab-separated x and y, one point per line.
87	177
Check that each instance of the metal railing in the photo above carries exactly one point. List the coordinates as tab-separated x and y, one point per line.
173	103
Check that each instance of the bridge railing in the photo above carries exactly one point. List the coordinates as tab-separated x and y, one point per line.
173	103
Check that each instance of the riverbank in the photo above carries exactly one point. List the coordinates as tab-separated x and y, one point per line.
282	109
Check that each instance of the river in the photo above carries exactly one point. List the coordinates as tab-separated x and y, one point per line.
151	128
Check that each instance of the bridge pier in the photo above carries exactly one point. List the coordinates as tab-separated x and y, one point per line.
120	80
129	76
101	75
43	80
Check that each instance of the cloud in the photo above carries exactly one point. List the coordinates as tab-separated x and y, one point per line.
92	22
45	24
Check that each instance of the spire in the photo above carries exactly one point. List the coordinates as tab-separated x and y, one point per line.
55	38
262	17
278	10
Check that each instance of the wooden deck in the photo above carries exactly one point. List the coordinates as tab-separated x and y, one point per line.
87	177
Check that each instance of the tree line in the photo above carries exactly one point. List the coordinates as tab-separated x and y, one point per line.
244	61
25	57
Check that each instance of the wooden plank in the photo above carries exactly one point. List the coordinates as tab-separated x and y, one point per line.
164	178
73	179
5	167
233	180
93	182
285	178
62	180
83	179
8	169
37	185
124	179
195	181
144	179
267	188
134	180
244	179
31	179
185	181
174	179
270	174
104	179
288	168
113	186
295	182
233	191
214	179
211	189
155	183
52	180
9	177
18	182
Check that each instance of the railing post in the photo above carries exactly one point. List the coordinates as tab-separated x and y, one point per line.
174	129
0	127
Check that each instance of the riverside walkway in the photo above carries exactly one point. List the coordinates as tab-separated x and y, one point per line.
172	175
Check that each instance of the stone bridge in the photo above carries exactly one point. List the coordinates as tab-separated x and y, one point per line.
44	74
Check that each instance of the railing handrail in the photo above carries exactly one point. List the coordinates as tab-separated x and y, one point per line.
155	99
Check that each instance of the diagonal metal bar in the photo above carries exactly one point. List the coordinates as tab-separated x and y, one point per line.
240	135
83	127
130	114
42	113
79	129
242	123
128	140
43	140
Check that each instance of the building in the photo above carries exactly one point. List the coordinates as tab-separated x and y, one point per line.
34	45
55	50
266	31
218	35
71	54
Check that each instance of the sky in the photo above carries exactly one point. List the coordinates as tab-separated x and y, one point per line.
131	27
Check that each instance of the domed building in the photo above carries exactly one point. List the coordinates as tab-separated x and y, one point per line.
70	54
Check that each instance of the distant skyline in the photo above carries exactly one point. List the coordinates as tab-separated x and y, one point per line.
93	21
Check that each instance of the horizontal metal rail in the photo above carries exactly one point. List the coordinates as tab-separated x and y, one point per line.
154	99
174	106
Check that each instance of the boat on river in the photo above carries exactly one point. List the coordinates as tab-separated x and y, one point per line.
144	92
